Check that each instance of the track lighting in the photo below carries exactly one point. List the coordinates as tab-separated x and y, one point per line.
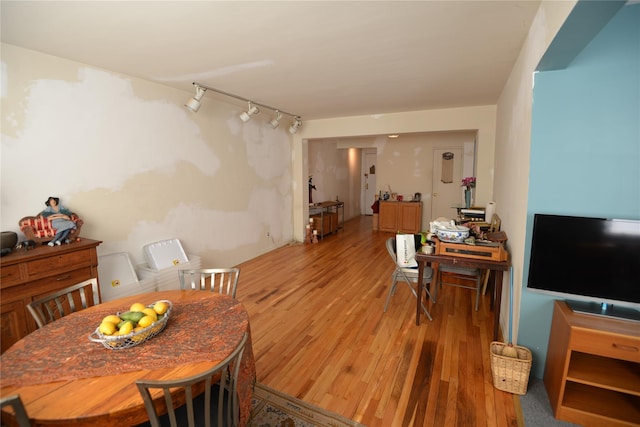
194	103
276	120
297	122
253	110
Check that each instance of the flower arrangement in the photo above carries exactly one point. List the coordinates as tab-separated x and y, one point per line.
469	182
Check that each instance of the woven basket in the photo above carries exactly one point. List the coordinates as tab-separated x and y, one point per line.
134	338
510	374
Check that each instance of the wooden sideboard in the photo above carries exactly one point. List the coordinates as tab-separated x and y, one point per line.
592	374
403	217
28	275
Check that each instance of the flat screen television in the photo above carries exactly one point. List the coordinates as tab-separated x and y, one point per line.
592	262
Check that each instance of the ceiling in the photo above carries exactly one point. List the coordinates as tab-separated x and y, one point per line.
314	59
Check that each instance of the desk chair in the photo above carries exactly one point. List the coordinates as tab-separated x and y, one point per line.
407	275
221	280
65	301
20	413
217	405
476	277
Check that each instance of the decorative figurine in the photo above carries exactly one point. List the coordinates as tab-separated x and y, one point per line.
60	218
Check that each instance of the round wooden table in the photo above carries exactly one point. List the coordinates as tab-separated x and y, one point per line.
65	379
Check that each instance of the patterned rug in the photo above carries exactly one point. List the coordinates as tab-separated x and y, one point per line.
272	408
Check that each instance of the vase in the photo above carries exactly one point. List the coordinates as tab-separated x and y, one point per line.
467	198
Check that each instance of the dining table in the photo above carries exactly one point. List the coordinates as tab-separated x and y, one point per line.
64	378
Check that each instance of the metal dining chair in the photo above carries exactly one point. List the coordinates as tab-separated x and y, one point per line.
221	280
61	303
217	405
407	275
19	411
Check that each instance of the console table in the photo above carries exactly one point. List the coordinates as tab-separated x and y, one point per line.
328	207
495	267
592	374
29	275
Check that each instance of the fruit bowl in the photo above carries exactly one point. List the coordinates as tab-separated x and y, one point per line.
120	342
453	235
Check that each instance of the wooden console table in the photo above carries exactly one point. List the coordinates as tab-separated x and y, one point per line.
592	374
496	268
328	207
29	275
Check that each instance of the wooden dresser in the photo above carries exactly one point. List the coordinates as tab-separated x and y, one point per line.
592	374
28	275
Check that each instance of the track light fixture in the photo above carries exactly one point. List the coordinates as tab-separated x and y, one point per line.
252	111
194	103
276	120
297	122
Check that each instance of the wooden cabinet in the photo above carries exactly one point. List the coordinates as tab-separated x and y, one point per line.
29	275
404	217
592	373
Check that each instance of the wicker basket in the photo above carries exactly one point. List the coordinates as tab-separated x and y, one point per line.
510	374
134	338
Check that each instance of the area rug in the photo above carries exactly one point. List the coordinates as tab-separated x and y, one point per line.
272	408
536	407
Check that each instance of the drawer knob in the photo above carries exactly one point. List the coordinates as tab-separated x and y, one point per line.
625	347
68	276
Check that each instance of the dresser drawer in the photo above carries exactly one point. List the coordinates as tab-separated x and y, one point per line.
57	263
43	287
10	275
606	344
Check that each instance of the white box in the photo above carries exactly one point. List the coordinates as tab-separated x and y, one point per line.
118	278
164	254
167	278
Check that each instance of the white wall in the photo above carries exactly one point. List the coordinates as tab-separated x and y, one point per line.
136	165
513	143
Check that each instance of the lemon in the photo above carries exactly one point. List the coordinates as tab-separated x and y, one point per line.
137	307
151	313
107	328
146	321
126	328
112	318
160	307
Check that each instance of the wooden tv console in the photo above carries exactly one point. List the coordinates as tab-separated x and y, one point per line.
592	373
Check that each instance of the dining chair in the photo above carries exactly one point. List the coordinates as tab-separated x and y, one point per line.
474	278
221	280
61	303
217	405
406	275
19	411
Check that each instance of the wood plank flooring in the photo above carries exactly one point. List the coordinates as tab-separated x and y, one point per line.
319	333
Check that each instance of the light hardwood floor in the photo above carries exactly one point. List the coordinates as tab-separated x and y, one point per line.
319	333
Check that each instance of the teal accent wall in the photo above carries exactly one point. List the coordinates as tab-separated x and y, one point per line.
585	150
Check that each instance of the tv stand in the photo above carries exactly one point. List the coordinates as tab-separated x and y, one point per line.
592	374
604	309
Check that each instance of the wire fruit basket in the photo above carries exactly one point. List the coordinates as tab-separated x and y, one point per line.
121	342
